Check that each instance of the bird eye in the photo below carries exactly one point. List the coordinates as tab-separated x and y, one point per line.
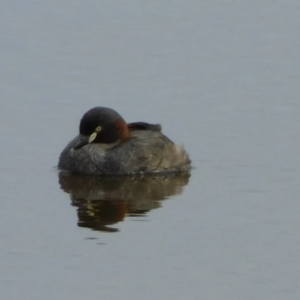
98	129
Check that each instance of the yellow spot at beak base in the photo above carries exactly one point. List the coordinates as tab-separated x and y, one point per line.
92	137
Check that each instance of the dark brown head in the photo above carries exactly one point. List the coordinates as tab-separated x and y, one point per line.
102	125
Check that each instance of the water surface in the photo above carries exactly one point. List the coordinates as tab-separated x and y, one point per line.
222	77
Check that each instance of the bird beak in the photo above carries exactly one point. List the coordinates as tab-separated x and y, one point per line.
86	140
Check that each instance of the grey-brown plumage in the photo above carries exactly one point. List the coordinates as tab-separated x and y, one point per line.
114	147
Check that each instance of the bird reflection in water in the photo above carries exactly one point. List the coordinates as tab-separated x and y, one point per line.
103	201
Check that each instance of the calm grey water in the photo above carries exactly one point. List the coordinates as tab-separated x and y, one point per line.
222	77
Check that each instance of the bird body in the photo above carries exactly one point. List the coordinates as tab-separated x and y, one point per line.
106	145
